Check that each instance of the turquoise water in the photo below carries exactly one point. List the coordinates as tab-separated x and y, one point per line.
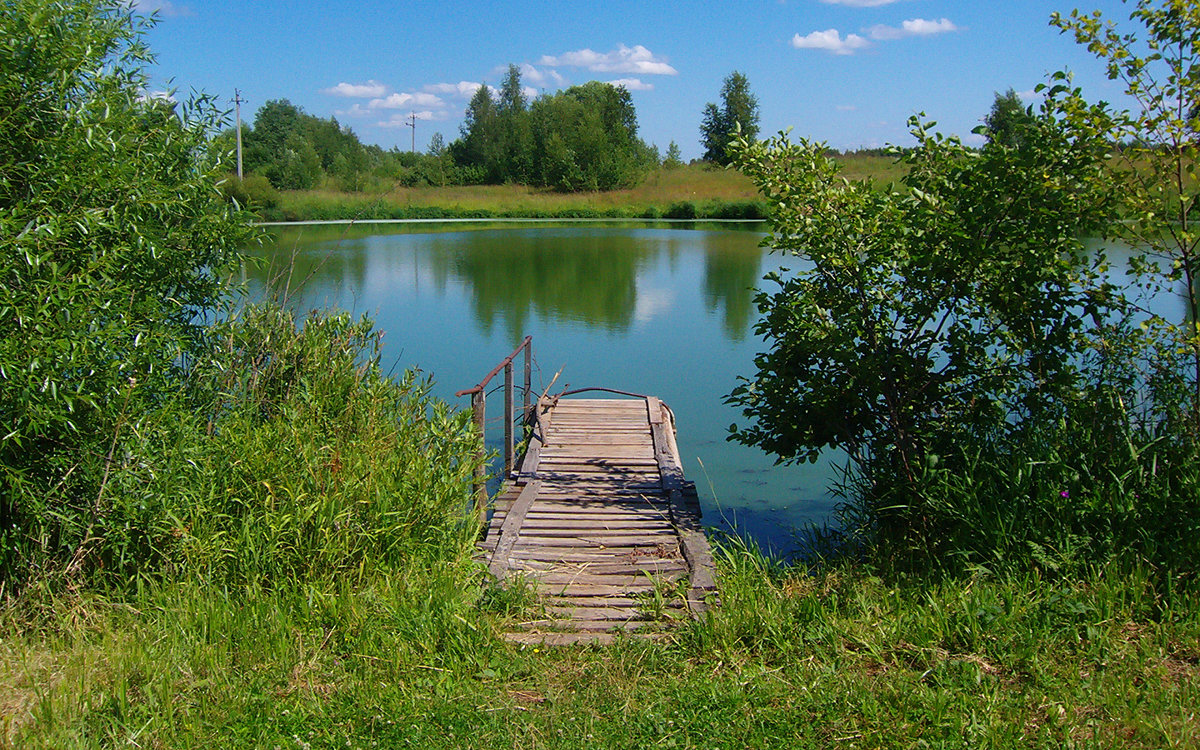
661	311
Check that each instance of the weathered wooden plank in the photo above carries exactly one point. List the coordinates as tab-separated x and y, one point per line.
618	614
510	531
693	541
579	485
599	625
599	434
613	520
594	589
608	451
611	516
572	418
557	537
536	525
601	538
595	554
559	639
647	468
605	537
543	421
608	507
623	602
654	412
604	406
598	503
597	476
642	464
604	506
607	567
575	639
627	581
555	487
569	464
608	512
587	432
596	463
594	541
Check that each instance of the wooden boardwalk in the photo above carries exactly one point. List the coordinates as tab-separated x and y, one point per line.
599	517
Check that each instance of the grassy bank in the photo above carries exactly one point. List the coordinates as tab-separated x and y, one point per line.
689	192
839	658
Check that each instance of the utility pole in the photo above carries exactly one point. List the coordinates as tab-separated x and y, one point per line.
237	107
412	123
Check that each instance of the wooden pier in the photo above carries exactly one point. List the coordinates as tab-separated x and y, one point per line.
599	518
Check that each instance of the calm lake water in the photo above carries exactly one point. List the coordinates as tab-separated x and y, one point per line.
661	311
654	310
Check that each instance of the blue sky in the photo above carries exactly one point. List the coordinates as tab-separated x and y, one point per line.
848	72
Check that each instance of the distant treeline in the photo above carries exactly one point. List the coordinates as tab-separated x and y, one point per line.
582	138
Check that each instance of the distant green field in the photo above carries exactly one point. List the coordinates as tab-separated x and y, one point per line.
692	191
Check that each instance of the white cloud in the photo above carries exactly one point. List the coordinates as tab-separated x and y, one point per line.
912	27
154	96
358	90
859	3
462	89
636	59
397	101
831	40
163	8
541	77
530	92
632	84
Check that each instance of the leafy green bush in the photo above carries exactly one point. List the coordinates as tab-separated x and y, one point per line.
255	192
297	460
117	246
680	210
958	343
140	437
745	210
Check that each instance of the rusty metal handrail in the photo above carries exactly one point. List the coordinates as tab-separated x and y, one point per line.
478	396
527	345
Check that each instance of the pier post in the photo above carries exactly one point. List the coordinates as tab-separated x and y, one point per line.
478	410
508	419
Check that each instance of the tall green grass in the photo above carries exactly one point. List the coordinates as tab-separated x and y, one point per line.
289	456
794	657
695	191
315	463
687	192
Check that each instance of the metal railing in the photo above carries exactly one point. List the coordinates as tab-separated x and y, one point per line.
478	396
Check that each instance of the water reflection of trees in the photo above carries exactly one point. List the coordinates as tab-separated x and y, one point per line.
302	269
575	274
731	271
586	275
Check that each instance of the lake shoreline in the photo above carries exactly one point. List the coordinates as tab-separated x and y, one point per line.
506	220
690	192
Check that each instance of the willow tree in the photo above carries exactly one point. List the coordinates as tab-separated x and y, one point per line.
1155	163
116	248
927	320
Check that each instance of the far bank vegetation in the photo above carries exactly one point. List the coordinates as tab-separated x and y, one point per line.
571	153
